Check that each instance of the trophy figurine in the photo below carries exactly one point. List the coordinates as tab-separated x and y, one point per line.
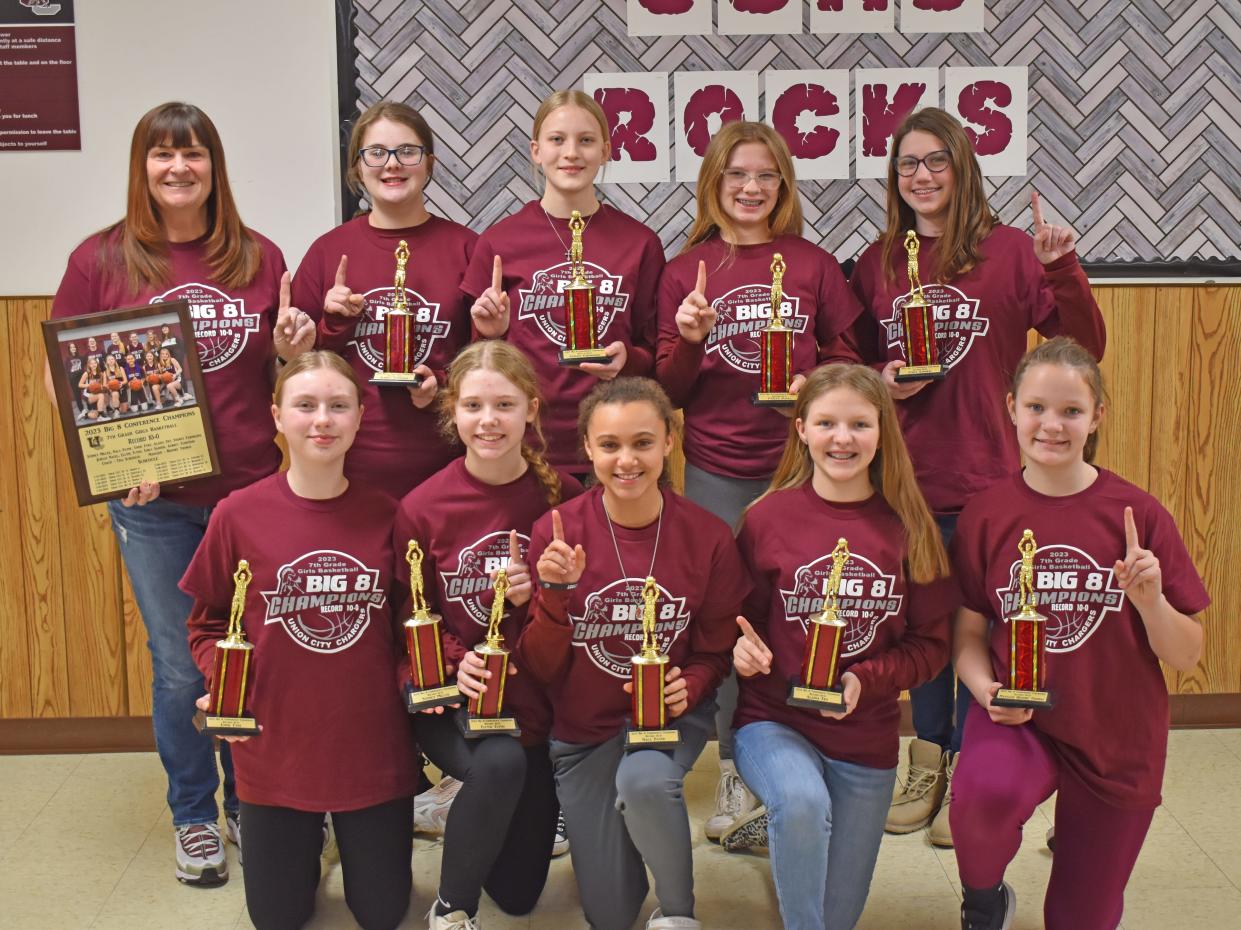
818	685
230	685
650	669
427	687
581	333
484	717
1027	655
918	326
398	332
776	348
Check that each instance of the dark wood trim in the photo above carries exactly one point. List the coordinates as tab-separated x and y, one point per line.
44	735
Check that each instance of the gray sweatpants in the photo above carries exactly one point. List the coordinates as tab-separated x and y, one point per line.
626	812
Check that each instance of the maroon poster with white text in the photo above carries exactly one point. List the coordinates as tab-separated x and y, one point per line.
38	77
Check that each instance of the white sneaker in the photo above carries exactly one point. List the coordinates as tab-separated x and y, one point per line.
733	800
561	844
431	807
658	921
200	855
453	920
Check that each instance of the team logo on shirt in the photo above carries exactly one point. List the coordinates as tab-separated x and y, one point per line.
324	600
368	335
1072	591
866	599
475	564
543	301
741	315
221	325
957	322
610	628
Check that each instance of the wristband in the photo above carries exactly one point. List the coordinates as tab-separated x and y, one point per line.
558	586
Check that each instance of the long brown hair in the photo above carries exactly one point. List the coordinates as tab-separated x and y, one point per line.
138	242
891	471
310	361
627	390
710	219
397	113
1063	350
970	218
511	363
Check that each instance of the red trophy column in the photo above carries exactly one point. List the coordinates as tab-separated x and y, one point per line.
484	718
581	328
650	669
233	670
776	348
398	332
818	686
427	686
1027	654
918	326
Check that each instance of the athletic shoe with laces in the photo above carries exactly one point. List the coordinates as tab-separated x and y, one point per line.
990	909
733	800
750	832
453	920
431	807
200	855
560	845
918	795
658	921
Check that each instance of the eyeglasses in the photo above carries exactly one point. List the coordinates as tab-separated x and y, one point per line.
376	156
767	180
907	165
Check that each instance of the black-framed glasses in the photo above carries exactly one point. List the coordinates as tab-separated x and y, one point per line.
376	156
937	161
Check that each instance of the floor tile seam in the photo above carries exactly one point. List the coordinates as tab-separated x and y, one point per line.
125	870
51	797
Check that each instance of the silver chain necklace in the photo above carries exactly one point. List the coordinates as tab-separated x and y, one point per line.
659	524
568	257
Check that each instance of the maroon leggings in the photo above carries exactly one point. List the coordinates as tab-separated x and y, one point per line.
1004	773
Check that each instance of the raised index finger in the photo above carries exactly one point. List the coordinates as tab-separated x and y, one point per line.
340	270
748	631
701	286
497	274
286	292
1036	208
557	527
1131	531
514	548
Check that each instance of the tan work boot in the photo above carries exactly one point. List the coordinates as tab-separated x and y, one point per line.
940	833
917	797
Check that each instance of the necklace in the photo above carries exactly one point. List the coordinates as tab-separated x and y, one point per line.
659	524
568	256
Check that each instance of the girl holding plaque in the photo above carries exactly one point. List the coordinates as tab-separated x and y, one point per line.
318	611
473	517
1119	591
182	238
524	262
625	811
825	777
714	302
987	285
348	278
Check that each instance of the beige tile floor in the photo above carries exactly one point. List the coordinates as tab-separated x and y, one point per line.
85	841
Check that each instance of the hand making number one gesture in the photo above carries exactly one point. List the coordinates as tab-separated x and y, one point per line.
695	316
1138	574
560	566
1050	242
340	299
750	654
295	331
490	311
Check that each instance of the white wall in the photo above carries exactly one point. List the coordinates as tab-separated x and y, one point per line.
265	72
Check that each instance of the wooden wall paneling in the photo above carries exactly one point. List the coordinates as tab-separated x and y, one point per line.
1128	362
41	541
137	655
15	648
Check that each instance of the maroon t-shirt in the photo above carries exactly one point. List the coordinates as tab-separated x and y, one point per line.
399	444
715	380
623	259
463	527
1110	722
233	329
897	633
579	642
318	611
957	430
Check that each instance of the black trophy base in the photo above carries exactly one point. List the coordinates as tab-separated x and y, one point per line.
773	399
920	373
225	726
419	699
579	356
1017	697
815	698
637	738
481	727
402	379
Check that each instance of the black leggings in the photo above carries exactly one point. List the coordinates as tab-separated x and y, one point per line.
501	825
281	849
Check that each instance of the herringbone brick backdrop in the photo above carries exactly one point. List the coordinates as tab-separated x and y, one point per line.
1133	127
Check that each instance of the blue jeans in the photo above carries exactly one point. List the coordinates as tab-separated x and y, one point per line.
816	806
157	542
932	704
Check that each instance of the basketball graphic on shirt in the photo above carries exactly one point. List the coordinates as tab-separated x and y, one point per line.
324	600
610	627
957	322
543	301
222	327
472	580
1072	590
741	315
866	599
368	335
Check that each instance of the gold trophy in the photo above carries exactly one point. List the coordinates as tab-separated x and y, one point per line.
650	668
818	686
427	687
230	685
484	717
918	326
1027	657
776	348
398	332
581	332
